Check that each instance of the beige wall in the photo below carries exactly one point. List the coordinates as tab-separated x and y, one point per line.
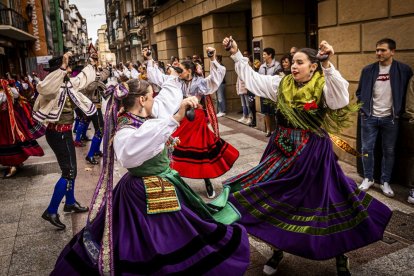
189	40
166	45
215	28
280	24
353	27
179	13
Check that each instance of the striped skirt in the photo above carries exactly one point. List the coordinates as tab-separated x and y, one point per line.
303	203
179	242
201	154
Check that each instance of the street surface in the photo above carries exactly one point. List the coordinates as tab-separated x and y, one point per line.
29	245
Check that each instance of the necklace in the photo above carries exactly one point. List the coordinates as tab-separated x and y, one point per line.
137	117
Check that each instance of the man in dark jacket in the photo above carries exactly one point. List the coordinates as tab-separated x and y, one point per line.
381	90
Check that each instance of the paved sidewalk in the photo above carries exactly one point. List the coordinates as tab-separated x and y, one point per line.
30	246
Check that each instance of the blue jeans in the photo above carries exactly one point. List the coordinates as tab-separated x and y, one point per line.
221	98
388	129
245	104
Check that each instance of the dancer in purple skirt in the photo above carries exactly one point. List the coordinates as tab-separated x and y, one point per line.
152	223
297	199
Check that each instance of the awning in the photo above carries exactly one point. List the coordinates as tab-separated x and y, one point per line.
12	32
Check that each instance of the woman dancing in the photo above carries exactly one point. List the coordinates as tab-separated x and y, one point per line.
297	199
152	223
18	129
201	153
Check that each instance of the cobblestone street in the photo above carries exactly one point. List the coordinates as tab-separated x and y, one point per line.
30	246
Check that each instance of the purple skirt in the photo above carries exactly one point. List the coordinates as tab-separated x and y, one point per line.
312	210
168	243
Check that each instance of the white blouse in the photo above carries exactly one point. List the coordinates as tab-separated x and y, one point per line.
335	90
135	146
212	82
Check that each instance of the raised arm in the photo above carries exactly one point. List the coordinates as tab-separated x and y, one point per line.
84	78
168	100
261	85
134	146
336	88
217	74
154	75
50	85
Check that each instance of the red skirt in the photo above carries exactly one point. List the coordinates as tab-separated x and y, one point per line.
13	153
200	153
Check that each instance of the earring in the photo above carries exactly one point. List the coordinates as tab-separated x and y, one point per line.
310	73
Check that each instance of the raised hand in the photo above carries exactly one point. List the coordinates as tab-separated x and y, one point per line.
325	52
65	59
230	45
146	53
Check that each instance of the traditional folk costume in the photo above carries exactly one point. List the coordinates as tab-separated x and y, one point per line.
18	129
152	223
58	96
297	198
201	154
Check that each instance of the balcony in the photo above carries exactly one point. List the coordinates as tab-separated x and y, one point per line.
133	21
13	25
145	7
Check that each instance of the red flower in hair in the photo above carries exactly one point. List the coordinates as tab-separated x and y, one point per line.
310	106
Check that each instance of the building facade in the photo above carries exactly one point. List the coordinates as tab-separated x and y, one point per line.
76	33
105	55
182	28
17	41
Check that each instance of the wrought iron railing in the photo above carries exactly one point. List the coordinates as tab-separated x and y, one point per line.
12	18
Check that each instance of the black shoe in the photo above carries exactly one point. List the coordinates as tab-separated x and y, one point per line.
53	219
98	154
91	160
342	266
209	188
268	134
76	208
252	124
271	265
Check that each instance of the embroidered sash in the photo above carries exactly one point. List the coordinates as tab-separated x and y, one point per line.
161	195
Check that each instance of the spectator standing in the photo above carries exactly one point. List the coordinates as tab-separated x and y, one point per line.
382	88
409	113
221	96
269	67
293	51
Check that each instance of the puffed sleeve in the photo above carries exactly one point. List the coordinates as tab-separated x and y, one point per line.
168	101
84	78
261	85
51	83
213	81
154	75
336	88
135	146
